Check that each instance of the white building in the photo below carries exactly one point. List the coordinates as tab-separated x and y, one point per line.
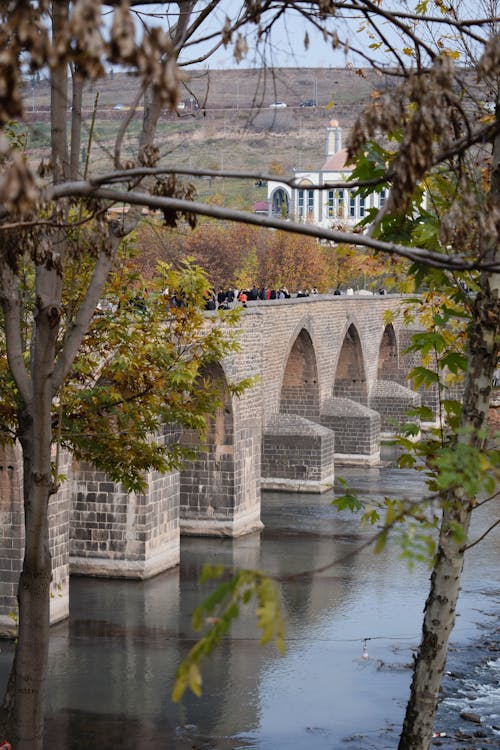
331	206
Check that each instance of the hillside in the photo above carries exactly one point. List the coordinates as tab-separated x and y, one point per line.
225	122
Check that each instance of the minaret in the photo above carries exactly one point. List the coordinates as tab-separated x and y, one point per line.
333	138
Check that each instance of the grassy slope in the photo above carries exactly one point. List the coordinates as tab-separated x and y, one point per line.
233	128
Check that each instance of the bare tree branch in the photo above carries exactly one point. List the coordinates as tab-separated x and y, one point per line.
480	538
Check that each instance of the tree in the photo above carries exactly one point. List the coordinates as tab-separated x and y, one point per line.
434	125
56	258
241	256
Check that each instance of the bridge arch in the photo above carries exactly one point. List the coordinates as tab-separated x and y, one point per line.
207	479
388	356
300	387
350	374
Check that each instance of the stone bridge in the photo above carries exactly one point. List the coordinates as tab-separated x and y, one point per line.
329	381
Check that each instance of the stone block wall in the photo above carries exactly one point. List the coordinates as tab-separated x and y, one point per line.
357	431
297	455
124	534
11	534
12	538
220	486
393	401
300	390
59	514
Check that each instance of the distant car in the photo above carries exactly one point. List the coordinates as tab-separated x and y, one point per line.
278	105
308	103
119	106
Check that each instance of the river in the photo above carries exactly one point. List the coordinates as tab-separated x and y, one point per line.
351	631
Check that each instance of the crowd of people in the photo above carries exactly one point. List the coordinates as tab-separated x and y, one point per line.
224	299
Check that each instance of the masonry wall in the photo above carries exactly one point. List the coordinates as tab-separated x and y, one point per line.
300	391
326	320
220	488
12	538
124	534
297	455
393	401
11	533
356	429
59	523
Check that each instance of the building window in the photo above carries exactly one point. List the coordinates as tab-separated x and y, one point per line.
352	205
383	197
331	203
341	203
300	204
361	206
305	203
310	202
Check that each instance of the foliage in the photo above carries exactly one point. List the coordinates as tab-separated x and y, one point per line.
137	367
241	255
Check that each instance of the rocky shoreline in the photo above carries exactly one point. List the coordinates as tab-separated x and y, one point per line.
469	711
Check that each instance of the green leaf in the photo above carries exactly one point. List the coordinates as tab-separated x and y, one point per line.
454	361
224	606
410	428
347	501
406	461
381	542
423	376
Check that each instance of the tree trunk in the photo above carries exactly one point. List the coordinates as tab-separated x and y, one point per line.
35	434
30	664
441	604
439	619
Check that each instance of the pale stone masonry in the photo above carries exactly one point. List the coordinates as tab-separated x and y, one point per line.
115	533
328	378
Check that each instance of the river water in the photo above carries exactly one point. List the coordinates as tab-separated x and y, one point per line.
350	634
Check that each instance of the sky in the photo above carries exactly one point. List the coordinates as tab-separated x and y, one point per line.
286	45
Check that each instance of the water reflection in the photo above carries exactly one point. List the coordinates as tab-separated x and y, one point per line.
112	664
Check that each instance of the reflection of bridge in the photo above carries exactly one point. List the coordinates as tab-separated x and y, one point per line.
330	380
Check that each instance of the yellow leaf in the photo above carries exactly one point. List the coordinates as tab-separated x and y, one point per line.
195	679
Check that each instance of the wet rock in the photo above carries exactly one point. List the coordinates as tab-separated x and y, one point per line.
469	716
493	646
